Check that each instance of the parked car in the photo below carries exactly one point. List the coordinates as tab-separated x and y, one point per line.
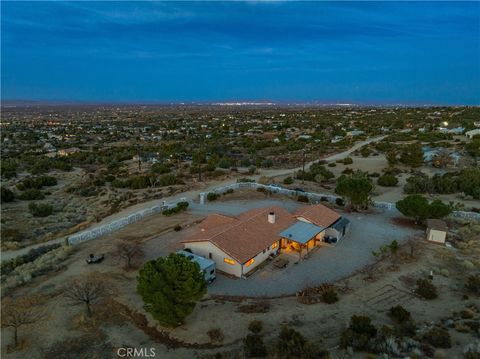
329	239
299	189
93	259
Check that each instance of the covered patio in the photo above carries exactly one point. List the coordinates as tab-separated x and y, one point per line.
301	237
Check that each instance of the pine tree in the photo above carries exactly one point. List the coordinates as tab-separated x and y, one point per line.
170	288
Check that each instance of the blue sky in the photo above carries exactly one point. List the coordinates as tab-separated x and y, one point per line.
355	52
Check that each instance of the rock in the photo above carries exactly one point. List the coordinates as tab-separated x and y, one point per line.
462	328
467	314
439	354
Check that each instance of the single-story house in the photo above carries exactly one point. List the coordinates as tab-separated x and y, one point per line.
239	244
436	231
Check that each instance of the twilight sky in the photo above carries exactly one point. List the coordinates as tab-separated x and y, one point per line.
342	52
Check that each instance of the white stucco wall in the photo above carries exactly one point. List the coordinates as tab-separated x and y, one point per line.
436	236
261	257
217	255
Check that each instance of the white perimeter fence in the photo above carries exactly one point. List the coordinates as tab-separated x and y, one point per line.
312	196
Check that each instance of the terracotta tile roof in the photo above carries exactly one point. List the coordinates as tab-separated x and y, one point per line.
245	236
215	220
318	214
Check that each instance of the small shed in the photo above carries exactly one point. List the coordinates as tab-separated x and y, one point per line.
339	229
436	231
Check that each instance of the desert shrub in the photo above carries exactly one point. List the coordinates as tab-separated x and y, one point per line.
11	235
399	314
330	296
37	182
387	181
473	284
303	198
332	164
212	196
9	265
339	201
160	168
358	334
365	152
40	210
426	289
347	161
216	335
288	180
177	228
31	195
292	344
38	261
80	347
254	347
245	180
255	326
7	195
438	337
229	191
181	206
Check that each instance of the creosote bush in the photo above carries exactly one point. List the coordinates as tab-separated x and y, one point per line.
254	346
399	314
426	289
255	326
330	296
473	284
40	210
438	337
359	333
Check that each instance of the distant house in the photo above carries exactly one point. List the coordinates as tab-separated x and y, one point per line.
472	133
239	244
68	151
436	231
354	133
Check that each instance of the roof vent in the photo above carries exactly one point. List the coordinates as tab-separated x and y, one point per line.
271	217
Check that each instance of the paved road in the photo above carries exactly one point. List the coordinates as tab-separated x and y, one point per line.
193	194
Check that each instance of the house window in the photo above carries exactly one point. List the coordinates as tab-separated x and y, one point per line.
229	261
274	245
249	262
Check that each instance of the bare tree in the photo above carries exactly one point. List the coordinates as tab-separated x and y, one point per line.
17	313
412	244
88	290
129	251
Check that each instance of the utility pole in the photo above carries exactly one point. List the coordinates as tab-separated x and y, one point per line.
139	159
303	166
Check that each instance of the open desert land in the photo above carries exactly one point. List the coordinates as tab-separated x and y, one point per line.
366	285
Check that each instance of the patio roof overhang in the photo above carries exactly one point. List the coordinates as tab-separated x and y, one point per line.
301	232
